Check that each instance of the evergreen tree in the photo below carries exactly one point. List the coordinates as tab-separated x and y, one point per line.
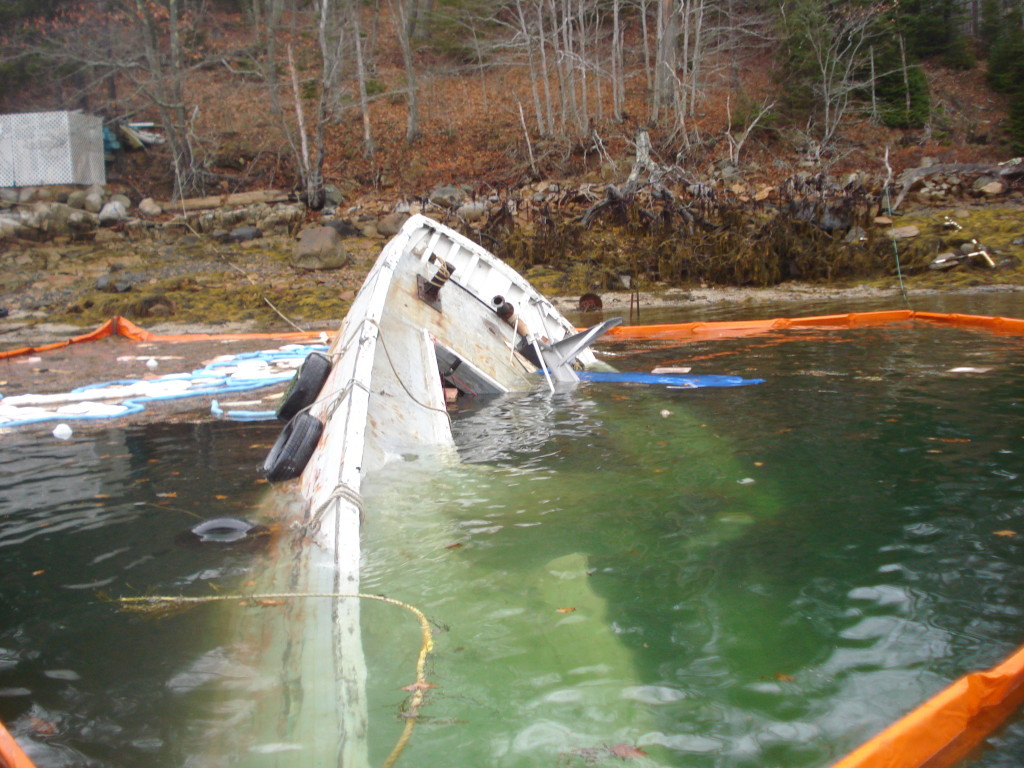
896	110
934	28
1006	57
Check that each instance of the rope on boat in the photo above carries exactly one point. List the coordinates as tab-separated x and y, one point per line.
418	688
398	376
341	491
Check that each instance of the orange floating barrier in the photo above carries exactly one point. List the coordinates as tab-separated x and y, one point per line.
120	326
11	755
945	728
737	329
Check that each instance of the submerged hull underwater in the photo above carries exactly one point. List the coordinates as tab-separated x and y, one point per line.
424	321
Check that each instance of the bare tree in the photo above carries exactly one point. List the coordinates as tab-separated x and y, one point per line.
364	102
838	42
165	88
665	57
400	12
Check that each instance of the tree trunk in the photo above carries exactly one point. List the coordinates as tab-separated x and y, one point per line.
528	42
166	91
549	117
369	148
399	10
665	59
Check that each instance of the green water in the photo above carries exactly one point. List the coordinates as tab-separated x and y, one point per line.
763	576
760	576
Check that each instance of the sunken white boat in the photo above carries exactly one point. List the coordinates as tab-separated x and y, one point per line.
438	318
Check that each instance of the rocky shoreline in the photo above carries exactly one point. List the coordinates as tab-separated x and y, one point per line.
72	258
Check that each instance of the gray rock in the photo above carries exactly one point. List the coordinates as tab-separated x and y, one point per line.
389	225
8	195
113	212
110	284
280	217
49	220
243	233
27	195
319	248
77	199
9	226
902	233
149	207
472	211
447	197
55	218
82	222
947	260
855	235
344	228
93	202
332	196
983	182
993	189
103	236
123	199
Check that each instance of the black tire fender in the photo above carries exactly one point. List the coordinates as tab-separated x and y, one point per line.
305	386
293	449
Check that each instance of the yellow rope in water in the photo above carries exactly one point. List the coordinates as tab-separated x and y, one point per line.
888	206
896	250
418	688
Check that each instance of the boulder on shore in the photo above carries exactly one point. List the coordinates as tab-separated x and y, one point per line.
149	207
319	248
389	225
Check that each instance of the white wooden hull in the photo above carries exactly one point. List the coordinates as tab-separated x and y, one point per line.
383	401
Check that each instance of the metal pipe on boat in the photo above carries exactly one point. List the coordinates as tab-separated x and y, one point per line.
440	277
507	312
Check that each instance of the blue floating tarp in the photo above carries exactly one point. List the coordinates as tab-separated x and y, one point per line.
685	381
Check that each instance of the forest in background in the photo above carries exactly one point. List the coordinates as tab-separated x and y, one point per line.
374	95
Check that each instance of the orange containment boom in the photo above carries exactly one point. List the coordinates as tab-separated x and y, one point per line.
119	326
11	755
700	331
945	728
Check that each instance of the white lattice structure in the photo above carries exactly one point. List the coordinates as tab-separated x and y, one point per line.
38	148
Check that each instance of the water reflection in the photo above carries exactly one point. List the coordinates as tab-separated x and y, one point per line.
712	577
82	683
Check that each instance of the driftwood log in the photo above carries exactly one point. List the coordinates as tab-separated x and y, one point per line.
220	201
910	177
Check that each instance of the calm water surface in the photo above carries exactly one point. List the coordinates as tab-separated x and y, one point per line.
722	577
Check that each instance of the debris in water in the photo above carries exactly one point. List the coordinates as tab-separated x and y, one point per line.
62	432
626	751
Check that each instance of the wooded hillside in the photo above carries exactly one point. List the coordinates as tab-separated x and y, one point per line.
404	94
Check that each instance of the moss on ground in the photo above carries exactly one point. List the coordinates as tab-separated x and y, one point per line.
199	281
